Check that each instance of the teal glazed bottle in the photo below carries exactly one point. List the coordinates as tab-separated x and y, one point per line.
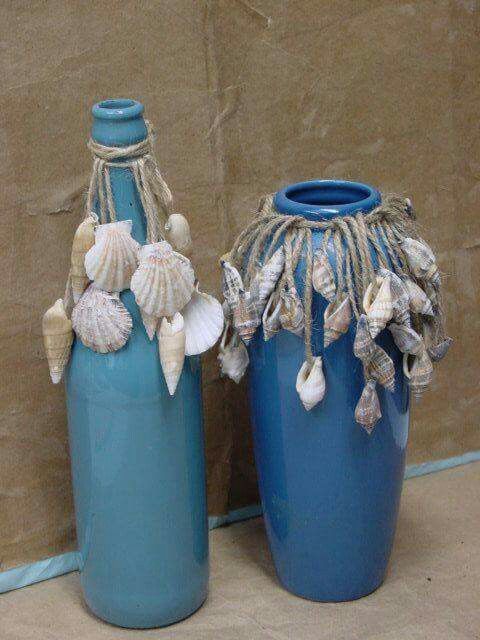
137	453
330	492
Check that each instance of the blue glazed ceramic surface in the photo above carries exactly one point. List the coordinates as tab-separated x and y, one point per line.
330	492
137	454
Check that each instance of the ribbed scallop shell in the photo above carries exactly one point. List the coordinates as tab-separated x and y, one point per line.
204	321
171	348
245	317
323	279
164	280
178	233
83	241
406	338
367	411
310	384
233	357
101	321
381	368
57	339
337	318
112	260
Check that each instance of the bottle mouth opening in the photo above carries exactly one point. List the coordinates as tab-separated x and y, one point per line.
326	198
117	109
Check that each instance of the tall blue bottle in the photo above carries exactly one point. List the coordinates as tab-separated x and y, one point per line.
330	492
137	454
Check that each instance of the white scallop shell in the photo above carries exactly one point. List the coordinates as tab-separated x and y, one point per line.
164	280
178	233
171	347
203	317
101	320
112	260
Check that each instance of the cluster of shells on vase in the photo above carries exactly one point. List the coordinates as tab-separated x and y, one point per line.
107	260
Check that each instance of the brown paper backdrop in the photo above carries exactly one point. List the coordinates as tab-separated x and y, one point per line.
246	96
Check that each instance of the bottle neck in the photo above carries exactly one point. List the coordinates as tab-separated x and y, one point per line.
118	123
326	199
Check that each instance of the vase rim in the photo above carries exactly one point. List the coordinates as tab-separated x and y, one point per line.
324	199
117	109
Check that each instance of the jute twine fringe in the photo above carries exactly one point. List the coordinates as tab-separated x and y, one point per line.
348	239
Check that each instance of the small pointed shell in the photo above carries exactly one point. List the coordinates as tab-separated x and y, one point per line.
406	338
322	275
233	357
164	280
310	383
271	317
232	283
57	339
178	233
112	260
337	318
101	321
418	300
363	345
381	368
367	411
150	323
400	298
83	240
245	317
421	259
171	348
439	350
203	319
420	373
378	305
292	317
266	279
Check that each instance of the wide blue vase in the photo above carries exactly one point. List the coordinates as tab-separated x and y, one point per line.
330	492
137	453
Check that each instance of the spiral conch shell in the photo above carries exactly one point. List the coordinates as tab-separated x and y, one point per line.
406	338
232	283
171	348
363	345
245	317
112	260
233	357
367	411
418	300
378	305
310	383
83	240
203	320
337	318
440	349
292	317
164	280
178	233
271	317
266	279
420	374
57	339
322	275
400	297
381	368
101	320
421	260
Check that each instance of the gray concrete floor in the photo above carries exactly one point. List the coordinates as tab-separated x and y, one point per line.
432	590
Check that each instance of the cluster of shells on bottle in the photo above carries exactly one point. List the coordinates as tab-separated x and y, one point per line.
405	305
107	260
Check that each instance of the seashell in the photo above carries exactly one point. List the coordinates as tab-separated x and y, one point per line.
266	279
380	367
83	240
406	339
101	320
337	318
418	300
150	323
363	345
171	348
421	260
367	411
232	283
310	383
420	374
323	279
378	305
57	339
400	298
203	323
233	357
245	317
112	260
292	317
439	350
227	311
164	280
178	233
271	317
